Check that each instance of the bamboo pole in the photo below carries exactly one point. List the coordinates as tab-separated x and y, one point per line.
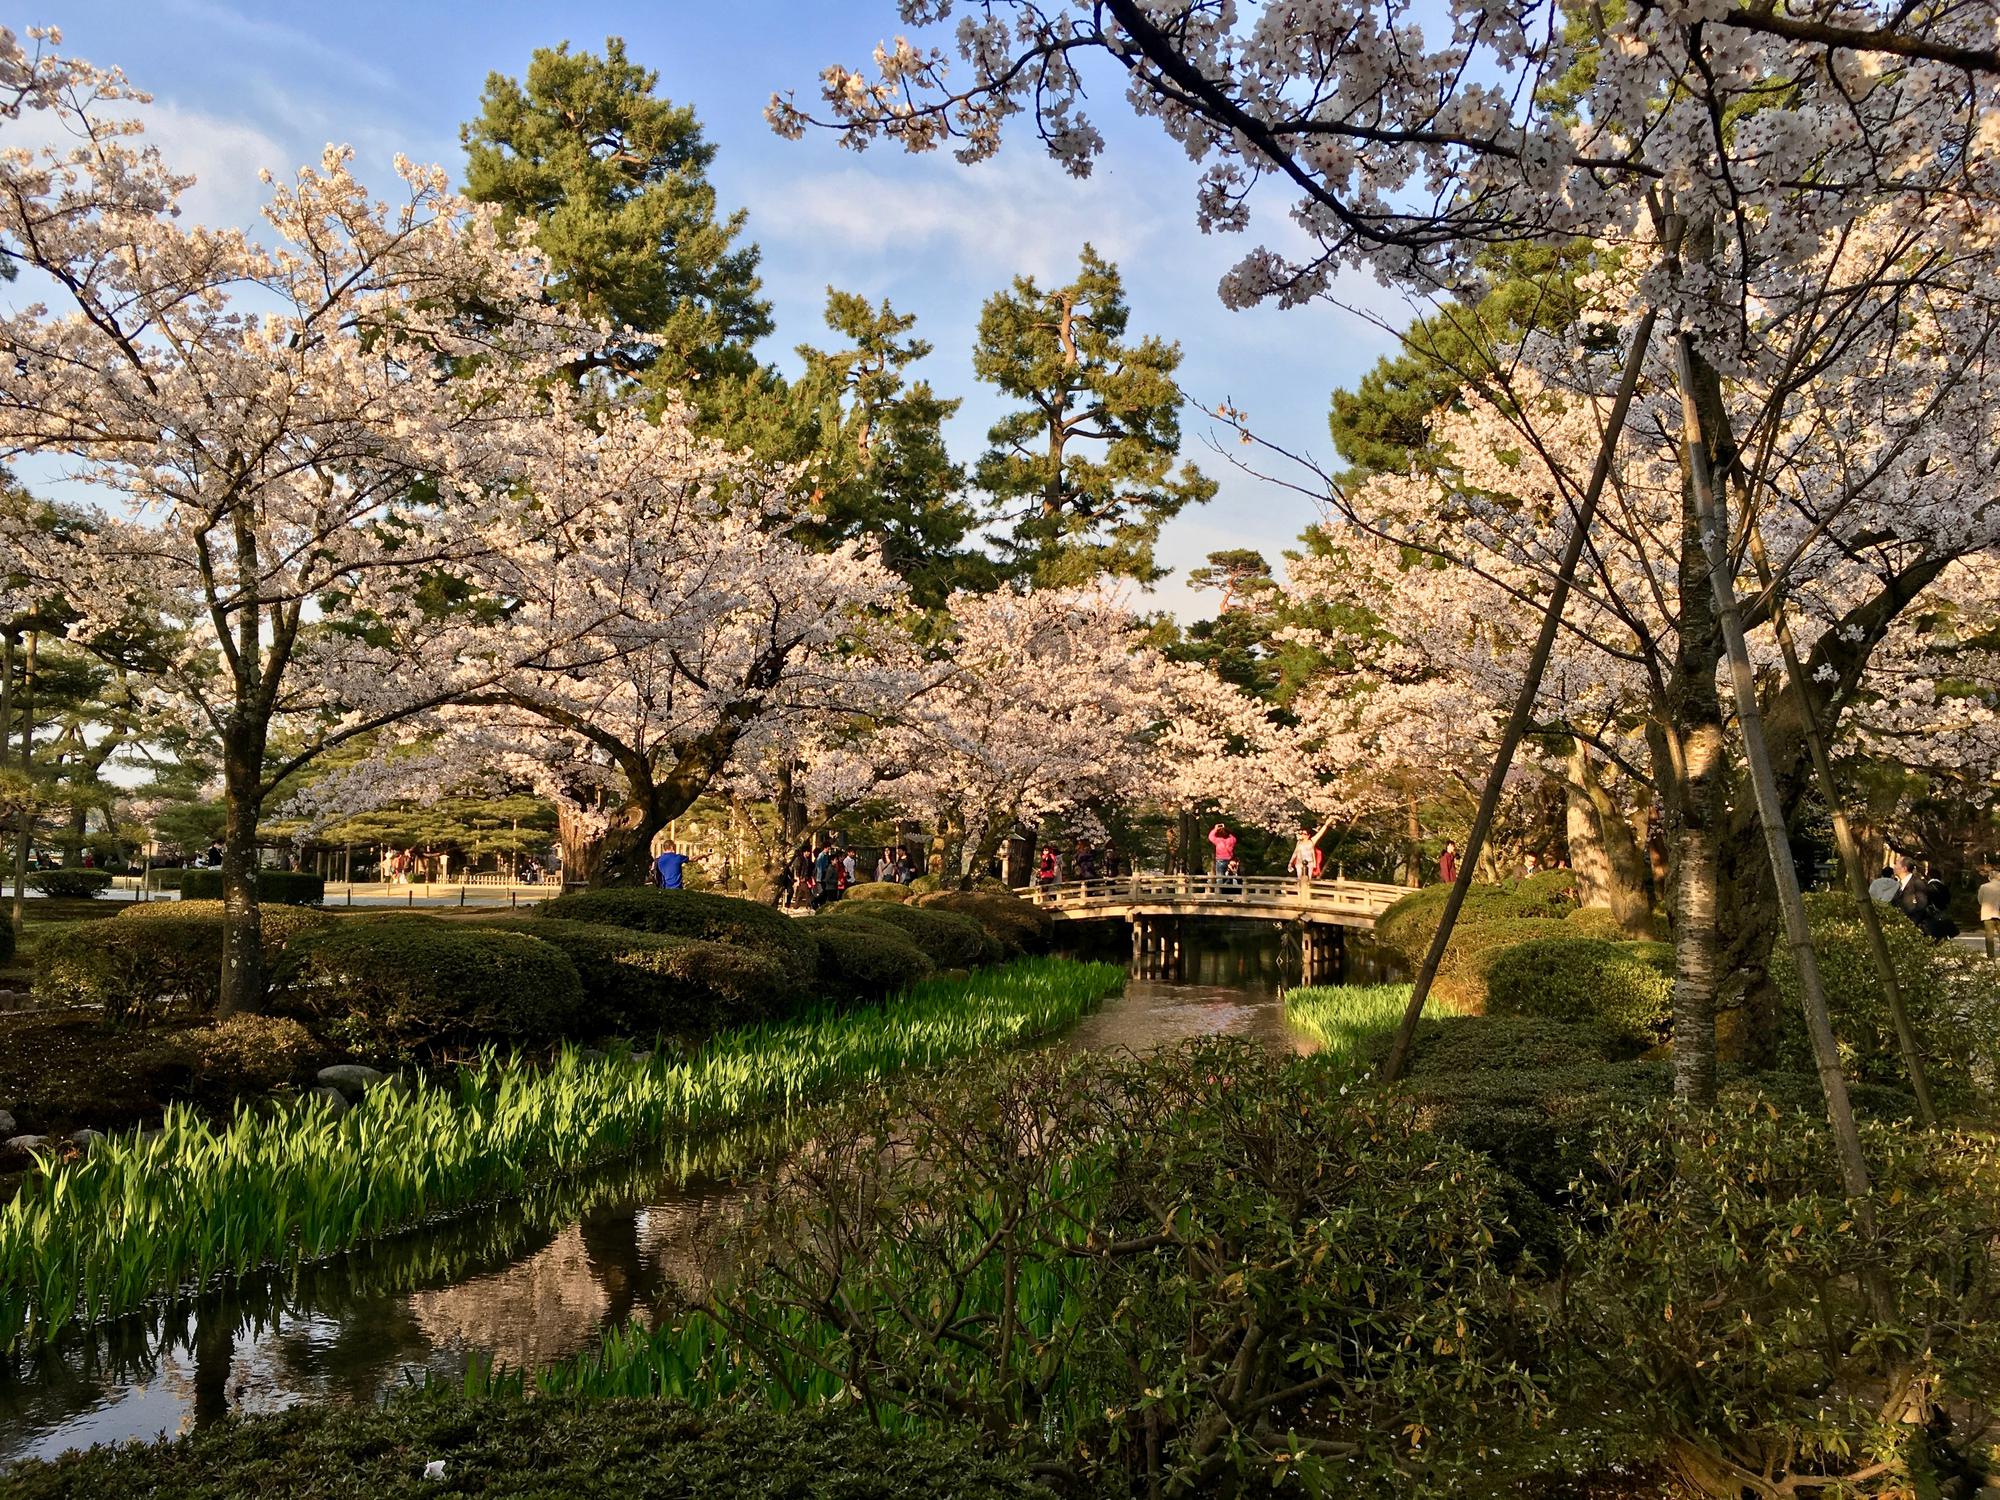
1712	524
1843	838
1524	702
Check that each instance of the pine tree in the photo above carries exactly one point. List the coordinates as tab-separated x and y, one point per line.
1082	476
617	179
871	442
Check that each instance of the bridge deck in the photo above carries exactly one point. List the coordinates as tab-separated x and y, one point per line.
1270	898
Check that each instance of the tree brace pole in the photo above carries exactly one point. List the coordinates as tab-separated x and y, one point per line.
1713	525
1524	702
1843	836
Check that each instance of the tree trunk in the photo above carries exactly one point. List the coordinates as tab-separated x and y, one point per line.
1703	414
1695	889
1413	844
580	844
242	925
24	821
625	853
1619	869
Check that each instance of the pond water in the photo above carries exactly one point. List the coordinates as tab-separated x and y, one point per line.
521	1284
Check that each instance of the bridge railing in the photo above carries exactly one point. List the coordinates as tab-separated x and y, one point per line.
1285	892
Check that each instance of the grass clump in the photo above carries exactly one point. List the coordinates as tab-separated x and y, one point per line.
1346	1018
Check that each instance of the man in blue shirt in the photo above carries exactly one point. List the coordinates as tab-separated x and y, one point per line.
669	867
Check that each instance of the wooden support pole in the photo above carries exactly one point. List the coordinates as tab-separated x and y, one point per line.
1584	513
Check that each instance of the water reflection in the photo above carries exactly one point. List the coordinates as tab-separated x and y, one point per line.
529	1282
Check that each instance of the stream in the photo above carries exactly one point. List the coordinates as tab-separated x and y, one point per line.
530	1282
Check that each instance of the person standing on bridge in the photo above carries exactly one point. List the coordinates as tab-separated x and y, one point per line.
1304	862
1224	843
1049	870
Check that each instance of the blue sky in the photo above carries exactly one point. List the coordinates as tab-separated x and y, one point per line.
243	86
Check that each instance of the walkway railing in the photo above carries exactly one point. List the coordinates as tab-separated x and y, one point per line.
1224	895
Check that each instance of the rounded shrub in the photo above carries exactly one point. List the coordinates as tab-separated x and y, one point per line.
423	981
71	883
1621	985
695	914
1461	978
877	890
155	957
1409	924
1019	926
1508	1044
641	983
246	1054
861	962
949	939
1596	922
276	887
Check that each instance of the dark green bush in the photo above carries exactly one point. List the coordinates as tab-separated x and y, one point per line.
1461	978
246	1054
1723	1308
949	939
1097	1329
1020	926
1583	979
1507	1044
1952	996
695	914
168	879
155	957
278	887
510	1449
641	983
861	962
1409	924
424	981
70	883
6	942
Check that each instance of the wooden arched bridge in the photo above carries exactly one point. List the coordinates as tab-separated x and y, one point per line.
1156	906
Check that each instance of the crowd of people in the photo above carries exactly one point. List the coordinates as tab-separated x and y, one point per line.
815	877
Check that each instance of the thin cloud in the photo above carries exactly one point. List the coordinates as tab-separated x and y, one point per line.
1000	218
262	32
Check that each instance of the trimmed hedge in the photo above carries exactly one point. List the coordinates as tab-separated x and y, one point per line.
641	983
1461	978
1020	926
695	914
154	956
949	939
1409	924
861	962
877	890
280	887
511	1449
1623	985
71	884
421	980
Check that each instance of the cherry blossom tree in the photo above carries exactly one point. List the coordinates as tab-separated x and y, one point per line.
282	433
1035	704
658	610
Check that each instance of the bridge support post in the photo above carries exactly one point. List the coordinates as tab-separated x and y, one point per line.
1138	926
